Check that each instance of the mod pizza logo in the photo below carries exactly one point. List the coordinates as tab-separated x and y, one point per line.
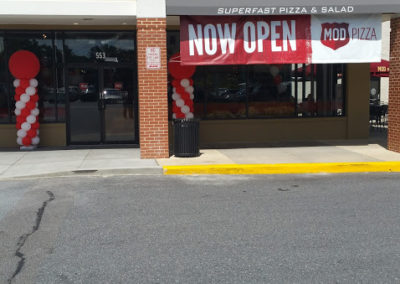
336	35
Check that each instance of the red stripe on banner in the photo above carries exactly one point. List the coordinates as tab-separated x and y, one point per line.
245	40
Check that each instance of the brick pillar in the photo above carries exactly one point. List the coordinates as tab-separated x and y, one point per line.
153	101
394	88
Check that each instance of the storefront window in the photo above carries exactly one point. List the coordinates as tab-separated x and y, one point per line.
226	92
115	47
41	44
4	99
265	91
54	50
269	91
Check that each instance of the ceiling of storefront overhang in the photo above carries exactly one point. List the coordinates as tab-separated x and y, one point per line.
88	20
210	7
67	12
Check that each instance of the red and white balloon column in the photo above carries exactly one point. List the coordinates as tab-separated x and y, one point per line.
24	66
182	96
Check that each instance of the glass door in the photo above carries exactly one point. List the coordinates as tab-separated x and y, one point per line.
118	96
102	105
84	105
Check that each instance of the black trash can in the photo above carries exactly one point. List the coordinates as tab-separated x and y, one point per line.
186	137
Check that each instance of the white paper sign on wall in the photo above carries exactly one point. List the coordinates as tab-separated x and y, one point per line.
153	58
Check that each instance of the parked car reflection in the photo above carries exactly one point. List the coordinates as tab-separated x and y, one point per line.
111	95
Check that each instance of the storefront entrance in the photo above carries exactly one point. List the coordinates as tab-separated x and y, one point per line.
101	104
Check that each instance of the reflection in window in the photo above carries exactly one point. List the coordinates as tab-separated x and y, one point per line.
4	98
226	92
116	47
268	91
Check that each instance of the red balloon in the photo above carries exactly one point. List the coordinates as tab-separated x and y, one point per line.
180	90
31	133
176	83
175	108
18	125
17	97
20	90
35	98
24	64
21	119
179	71
35	125
25	112
23	84
26	140
30	105
180	115
187	100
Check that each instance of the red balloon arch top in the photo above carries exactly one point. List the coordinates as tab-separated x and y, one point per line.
24	64
179	71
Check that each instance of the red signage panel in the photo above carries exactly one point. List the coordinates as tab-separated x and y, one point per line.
245	40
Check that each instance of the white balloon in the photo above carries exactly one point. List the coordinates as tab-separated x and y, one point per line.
35	140
17	111
189	115
19	141
175	96
21	133
24	98
174	116
185	83
189	89
185	109
26	126
274	71
180	103
37	132
31	119
33	82
191	96
35	112
16	83
37	105
30	91
19	105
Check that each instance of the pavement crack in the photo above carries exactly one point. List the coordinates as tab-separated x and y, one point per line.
22	239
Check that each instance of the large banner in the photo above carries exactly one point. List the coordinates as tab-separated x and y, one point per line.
279	39
346	40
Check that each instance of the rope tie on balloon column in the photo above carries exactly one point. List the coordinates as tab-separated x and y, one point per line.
26	110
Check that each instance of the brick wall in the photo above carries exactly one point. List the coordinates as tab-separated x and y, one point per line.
394	88
153	101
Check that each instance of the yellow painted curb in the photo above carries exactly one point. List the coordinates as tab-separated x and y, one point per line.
264	169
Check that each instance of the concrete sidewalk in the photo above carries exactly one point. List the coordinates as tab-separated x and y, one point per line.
276	160
334	156
44	162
